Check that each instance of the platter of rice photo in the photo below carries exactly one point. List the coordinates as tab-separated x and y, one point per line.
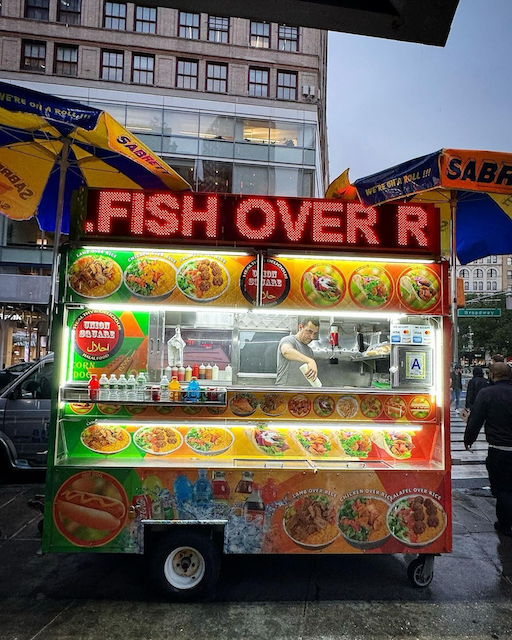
362	522
398	444
273	404
416	520
95	275
157	440
150	277
310	522
209	441
202	279
105	439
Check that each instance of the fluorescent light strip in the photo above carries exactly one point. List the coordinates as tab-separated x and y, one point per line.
403	261
149	250
159	307
64	360
332	313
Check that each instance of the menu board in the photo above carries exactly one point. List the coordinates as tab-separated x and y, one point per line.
217	279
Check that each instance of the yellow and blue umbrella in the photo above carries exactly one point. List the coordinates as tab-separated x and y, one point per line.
49	147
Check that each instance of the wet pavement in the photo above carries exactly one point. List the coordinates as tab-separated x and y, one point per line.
60	596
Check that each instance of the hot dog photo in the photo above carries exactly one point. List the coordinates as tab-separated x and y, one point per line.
90	509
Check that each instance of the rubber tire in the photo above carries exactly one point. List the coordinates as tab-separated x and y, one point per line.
196	539
413	573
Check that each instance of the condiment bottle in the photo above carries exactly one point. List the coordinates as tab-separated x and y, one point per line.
174	390
254	509
130	387
174	371
121	387
112	387
188	374
104	387
195	371
168	372
193	390
94	388
181	374
228	373
208	371
215	372
164	387
202	372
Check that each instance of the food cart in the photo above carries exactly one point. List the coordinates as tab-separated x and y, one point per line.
210	284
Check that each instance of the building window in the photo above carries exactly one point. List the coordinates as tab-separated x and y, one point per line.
488	285
143	69
186	74
475	286
218	29
217	77
466	285
494	285
478	273
33	56
66	61
286	85
509	275
260	35
463	273
494	259
258	82
68	11
145	19
189	25
115	16
288	38
509	260
480	286
112	63
492	273
37	9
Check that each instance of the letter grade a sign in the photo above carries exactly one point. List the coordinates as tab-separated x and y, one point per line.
260	222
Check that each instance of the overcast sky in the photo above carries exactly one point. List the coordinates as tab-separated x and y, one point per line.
388	102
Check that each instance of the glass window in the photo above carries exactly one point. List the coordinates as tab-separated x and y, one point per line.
509	260
143	69
288	38
258	82
466	285
250	180
188	25
37	9
492	273
38	385
260	34
309	137
479	273
480	286
509	275
145	19
248	130
308	183
117	111
186	74
112	63
286	85
66	60
114	16
494	286
488	285
494	259
217	77
286	134
214	176
144	120
181	123
33	56
217	127
218	29
285	181
488	259
463	273
475	286
185	168
68	11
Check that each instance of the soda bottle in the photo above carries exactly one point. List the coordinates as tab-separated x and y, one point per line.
242	491
112	387
193	390
254	509
104	387
220	488
121	387
203	492
130	387
174	390
94	388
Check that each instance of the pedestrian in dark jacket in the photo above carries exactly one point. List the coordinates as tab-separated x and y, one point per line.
476	383
494	408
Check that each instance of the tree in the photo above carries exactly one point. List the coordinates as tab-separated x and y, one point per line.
493	333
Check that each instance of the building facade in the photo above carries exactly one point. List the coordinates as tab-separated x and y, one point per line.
234	105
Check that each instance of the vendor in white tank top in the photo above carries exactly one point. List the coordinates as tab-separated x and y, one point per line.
293	351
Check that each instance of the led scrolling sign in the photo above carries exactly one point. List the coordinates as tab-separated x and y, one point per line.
260	221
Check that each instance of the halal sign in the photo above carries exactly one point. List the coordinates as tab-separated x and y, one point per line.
98	335
275	282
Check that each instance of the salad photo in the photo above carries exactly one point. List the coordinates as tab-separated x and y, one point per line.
202	279
362	522
323	285
209	441
270	442
310	522
150	277
315	441
416	520
356	444
419	288
157	441
370	287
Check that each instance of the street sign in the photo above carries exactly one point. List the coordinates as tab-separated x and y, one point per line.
479	313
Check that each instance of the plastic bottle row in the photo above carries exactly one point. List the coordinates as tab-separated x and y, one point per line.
199	371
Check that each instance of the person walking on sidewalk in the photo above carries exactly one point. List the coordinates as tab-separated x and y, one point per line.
493	407
476	383
456	385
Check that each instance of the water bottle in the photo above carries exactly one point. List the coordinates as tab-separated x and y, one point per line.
112	387
183	491
164	388
203	492
130	387
104	394
121	387
140	386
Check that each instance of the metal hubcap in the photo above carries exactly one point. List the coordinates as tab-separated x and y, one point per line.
184	567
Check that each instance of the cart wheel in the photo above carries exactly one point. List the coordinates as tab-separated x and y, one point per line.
420	573
185	564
